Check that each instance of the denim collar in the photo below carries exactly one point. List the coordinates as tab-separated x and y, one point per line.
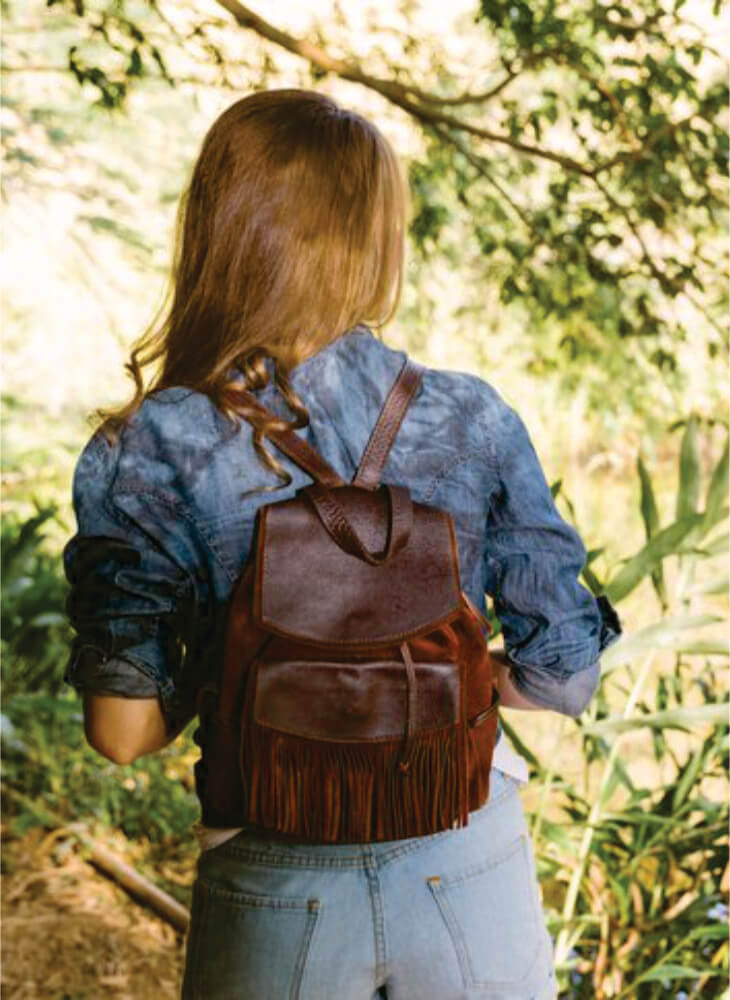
320	357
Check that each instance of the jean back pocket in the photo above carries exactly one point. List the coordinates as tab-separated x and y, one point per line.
492	911
247	945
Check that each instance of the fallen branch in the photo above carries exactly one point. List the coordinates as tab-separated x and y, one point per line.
111	865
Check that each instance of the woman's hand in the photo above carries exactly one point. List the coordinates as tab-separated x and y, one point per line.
509	695
123	729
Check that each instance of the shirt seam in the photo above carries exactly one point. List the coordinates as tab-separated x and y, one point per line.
444	472
180	508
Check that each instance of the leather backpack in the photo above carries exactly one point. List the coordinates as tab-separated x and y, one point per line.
357	698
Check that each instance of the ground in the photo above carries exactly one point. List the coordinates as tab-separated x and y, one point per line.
69	933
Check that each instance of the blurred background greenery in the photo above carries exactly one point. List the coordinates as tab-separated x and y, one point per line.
567	164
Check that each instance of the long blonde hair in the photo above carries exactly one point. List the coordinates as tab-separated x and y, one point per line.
290	232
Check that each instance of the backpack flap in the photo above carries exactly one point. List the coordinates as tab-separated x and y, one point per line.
310	589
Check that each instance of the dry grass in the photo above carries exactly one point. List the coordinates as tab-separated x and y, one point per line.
70	934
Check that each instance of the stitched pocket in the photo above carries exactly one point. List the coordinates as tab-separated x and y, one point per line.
493	915
247	945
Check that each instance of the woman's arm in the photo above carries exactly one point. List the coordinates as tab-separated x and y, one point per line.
123	729
554	629
136	583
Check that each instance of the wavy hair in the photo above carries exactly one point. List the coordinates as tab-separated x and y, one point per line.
290	232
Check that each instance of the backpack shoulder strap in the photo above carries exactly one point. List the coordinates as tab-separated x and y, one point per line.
305	456
387	426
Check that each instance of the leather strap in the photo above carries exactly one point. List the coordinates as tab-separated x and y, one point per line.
376	452
287	441
404	764
334	518
387	426
483	716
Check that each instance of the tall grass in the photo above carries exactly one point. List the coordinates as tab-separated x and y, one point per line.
635	874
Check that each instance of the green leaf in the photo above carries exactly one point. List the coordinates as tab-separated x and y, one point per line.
624	775
670	633
665	543
650	516
46	619
704	647
718	585
689	471
716	546
670	971
717	491
715	932
606	794
135	66
519	746
594	584
695	536
556	833
688	778
673	718
649	511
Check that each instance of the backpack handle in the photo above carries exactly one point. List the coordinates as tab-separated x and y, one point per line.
333	517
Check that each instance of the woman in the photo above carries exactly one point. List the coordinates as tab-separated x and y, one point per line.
290	246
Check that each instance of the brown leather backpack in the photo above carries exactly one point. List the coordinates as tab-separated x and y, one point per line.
357	700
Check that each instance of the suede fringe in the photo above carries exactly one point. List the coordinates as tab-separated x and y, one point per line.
354	792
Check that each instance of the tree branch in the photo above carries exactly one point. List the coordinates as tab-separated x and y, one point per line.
527	61
661	276
645	147
110	864
229	84
482	167
403	96
424	106
397	93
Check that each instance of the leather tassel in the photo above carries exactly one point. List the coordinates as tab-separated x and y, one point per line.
338	792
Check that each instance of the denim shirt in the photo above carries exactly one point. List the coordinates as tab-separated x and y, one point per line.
164	531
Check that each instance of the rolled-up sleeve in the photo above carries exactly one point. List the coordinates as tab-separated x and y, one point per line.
554	628
132	598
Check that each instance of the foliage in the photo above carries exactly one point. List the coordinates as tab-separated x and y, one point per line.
41	715
35	631
650	911
686	535
645	880
145	800
579	166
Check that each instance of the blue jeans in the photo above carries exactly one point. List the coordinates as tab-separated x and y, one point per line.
453	915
